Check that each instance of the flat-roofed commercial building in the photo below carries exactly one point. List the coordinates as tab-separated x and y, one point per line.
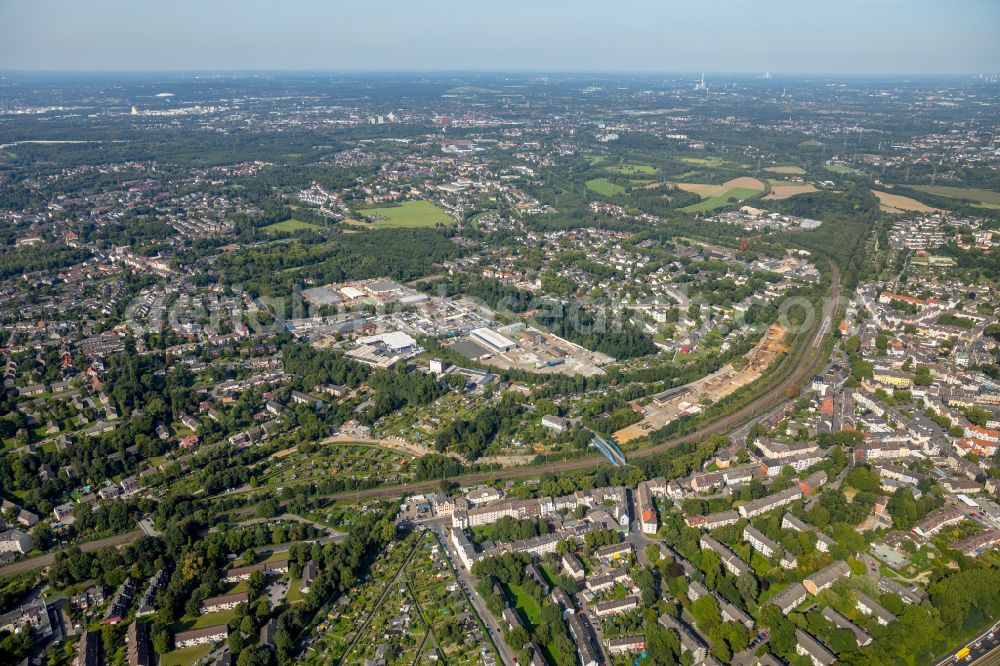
493	341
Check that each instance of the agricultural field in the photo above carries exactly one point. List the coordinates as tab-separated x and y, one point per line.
984	198
604	187
407	214
896	203
787	170
781	189
289	226
718	196
840	168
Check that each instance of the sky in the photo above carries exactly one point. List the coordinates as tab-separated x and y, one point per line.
745	36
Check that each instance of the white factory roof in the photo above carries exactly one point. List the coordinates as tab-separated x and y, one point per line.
351	292
396	340
493	338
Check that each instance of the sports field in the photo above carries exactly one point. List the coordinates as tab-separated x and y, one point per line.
408	214
290	225
604	187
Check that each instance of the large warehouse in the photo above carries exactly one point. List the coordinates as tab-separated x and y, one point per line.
493	341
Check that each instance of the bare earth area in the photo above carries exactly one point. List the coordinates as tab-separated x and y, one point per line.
745	181
896	203
790	190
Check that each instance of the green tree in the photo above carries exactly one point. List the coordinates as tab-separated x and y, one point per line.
746	583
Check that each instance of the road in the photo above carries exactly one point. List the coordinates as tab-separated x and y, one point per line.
984	649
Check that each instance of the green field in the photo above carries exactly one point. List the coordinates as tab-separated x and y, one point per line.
294	595
290	225
791	170
408	214
967	193
184	657
840	168
526	604
202	621
604	187
632	169
711	203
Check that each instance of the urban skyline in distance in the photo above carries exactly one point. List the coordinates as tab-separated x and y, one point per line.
849	37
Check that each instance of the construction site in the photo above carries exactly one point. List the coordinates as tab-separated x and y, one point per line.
694	397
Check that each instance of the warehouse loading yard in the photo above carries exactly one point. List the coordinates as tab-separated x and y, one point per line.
689	399
532	350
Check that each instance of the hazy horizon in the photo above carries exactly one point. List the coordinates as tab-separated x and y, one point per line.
853	37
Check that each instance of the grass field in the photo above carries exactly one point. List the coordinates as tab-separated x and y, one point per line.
294	595
966	193
604	187
408	214
290	225
202	621
527	605
633	169
184	657
717	196
896	203
790	170
840	168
